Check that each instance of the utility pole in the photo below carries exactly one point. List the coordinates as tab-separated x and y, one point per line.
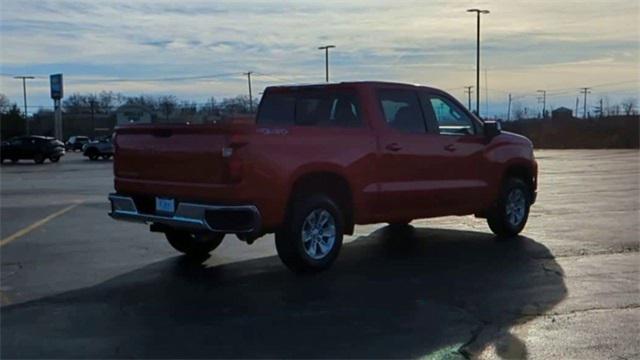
544	103
248	73
92	105
478	12
326	60
585	91
601	108
577	104
24	93
469	91
509	109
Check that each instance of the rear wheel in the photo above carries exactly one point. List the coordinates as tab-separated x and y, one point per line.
194	244
511	212
93	154
54	158
38	158
311	238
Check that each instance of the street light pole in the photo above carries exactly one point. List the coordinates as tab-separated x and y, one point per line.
24	93
478	12
326	60
248	73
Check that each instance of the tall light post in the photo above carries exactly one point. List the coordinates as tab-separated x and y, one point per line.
248	73
24	93
326	59
478	12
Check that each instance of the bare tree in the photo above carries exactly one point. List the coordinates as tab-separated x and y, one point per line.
518	112
237	105
5	104
75	103
628	105
108	101
167	105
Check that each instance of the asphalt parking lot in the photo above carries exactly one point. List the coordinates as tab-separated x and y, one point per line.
77	284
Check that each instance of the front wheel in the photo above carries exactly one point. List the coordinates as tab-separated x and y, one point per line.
194	244
511	212
311	238
54	158
38	158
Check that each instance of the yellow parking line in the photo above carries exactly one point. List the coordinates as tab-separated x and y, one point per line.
36	224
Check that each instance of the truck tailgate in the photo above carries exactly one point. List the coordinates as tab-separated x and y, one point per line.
173	153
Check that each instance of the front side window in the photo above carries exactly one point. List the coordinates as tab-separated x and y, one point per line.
450	118
402	110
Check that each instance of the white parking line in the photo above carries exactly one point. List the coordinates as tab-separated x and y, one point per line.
37	224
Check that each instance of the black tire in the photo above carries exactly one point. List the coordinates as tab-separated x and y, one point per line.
14	160
194	244
93	154
54	159
38	158
499	219
289	240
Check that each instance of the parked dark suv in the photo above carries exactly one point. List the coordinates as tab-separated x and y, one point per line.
36	148
75	143
101	147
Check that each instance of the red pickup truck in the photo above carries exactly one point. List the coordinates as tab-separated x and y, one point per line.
318	160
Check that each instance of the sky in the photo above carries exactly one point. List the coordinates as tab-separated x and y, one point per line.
148	47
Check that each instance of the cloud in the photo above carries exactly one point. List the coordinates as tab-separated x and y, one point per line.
544	44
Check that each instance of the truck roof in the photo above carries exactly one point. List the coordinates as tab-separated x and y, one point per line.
354	83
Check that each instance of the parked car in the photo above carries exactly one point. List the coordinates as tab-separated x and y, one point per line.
75	143
319	160
99	148
36	148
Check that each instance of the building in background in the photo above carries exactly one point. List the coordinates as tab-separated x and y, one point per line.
133	113
562	113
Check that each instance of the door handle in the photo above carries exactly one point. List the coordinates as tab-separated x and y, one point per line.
450	147
393	147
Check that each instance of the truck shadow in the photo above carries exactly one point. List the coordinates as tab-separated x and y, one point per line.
400	294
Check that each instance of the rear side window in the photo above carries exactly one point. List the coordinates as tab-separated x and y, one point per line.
327	108
310	107
402	111
277	109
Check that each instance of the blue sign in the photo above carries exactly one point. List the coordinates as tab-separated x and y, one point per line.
56	86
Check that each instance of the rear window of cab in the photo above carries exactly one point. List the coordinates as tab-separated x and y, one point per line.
310	107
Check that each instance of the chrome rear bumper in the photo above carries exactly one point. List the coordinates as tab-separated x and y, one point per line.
237	219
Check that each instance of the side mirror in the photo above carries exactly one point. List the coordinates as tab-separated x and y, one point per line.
492	129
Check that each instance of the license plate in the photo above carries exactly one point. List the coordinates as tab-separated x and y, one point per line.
165	205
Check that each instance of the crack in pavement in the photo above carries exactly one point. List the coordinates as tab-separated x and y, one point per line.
584	253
